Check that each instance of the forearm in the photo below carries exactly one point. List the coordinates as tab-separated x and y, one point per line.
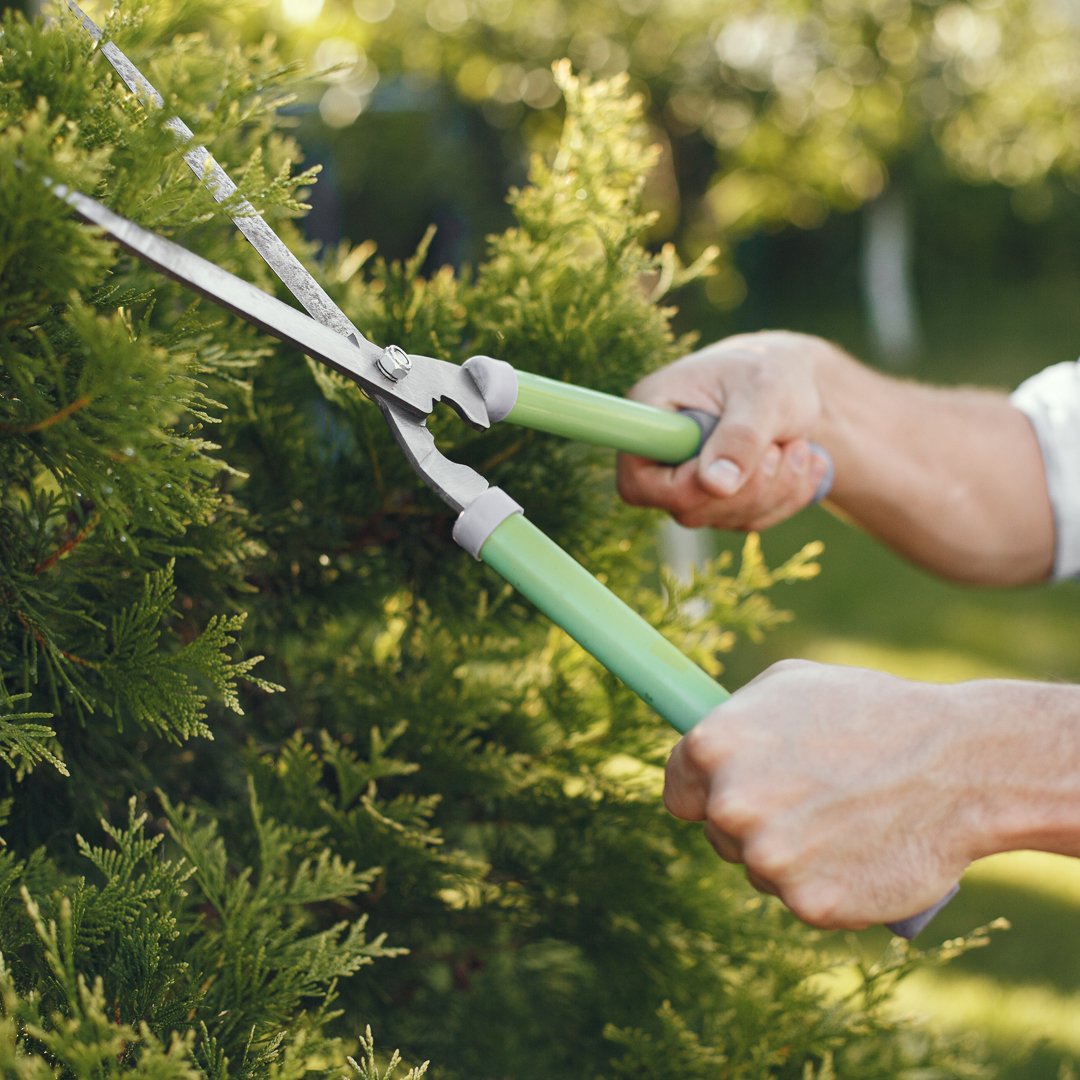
952	479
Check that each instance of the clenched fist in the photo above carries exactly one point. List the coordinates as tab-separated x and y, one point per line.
860	798
756	468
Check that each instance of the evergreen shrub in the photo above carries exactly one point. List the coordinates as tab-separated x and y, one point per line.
393	796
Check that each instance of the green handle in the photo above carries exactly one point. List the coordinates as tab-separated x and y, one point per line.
561	408
601	623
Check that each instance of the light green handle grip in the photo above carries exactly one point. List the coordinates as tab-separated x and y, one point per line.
561	408
601	623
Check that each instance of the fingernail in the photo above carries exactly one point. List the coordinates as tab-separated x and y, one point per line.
800	458
771	460
725	474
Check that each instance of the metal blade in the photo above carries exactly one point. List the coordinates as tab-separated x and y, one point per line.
405	402
457	485
428	381
265	241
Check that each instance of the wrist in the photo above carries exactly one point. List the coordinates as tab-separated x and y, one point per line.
844	388
1015	753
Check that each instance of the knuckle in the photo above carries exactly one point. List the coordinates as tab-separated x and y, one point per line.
673	801
795	495
732	516
737	518
760	883
737	811
789	666
770	856
767	512
761	524
767	377
635	478
741	436
644	483
698	748
727	847
682	501
817	903
734	815
692	519
780	499
684	797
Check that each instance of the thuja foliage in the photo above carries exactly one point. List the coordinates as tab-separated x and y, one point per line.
447	826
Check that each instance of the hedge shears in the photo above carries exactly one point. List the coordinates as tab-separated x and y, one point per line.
483	391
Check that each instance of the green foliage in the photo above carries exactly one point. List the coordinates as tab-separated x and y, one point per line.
367	1069
448	826
23	745
237	987
566	285
81	1039
151	686
105	472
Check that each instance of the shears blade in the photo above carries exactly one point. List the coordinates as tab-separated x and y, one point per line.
429	380
311	295
405	387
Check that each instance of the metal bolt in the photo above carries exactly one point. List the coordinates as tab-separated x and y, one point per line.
394	363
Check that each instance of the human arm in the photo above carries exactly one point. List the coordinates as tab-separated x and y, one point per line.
951	478
860	798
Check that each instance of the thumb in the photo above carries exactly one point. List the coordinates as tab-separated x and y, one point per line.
744	440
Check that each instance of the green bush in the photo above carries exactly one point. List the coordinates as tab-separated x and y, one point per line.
447	826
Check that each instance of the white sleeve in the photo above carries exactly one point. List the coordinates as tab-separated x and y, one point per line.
1051	401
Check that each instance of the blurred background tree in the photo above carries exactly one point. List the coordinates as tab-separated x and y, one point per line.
768	114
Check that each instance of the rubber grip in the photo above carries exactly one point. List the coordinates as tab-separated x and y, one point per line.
574	412
908	928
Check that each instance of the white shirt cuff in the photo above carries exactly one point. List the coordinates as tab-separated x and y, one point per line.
1051	401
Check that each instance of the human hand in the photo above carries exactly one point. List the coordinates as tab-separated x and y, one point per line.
756	468
845	792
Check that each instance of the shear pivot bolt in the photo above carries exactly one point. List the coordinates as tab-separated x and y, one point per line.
394	363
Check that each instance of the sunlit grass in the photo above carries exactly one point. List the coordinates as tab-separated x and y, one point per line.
1056	876
926	665
1007	1015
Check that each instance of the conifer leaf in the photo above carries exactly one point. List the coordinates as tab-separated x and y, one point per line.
23	744
367	1068
151	686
